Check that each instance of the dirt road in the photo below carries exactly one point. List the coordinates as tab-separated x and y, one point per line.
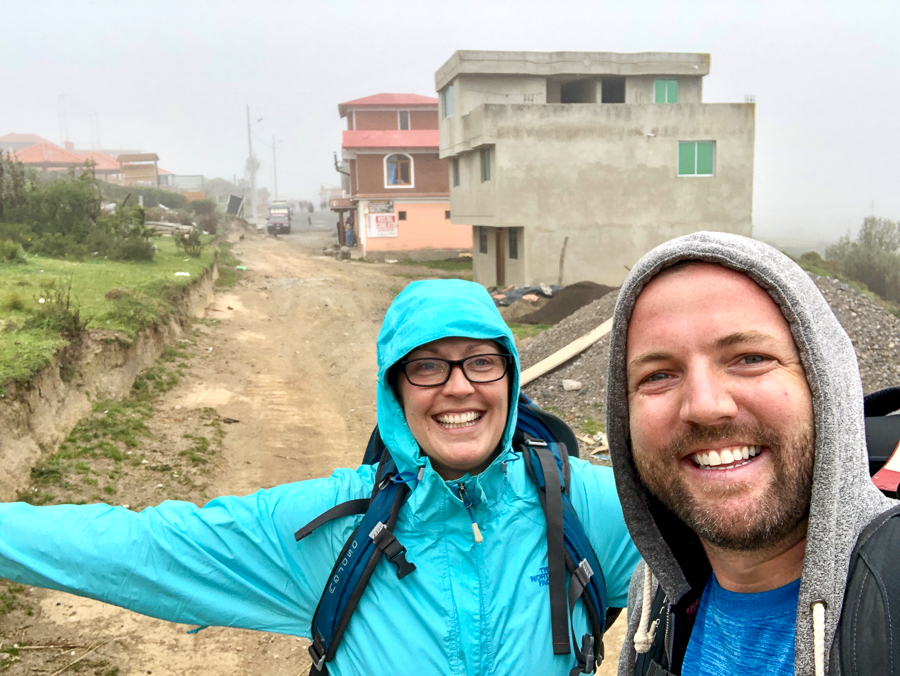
289	353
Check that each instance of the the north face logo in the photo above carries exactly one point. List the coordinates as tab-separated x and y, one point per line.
542	578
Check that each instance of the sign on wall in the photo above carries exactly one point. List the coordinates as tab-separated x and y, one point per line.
381	225
381	207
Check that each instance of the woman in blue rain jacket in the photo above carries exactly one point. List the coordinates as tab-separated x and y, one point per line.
468	608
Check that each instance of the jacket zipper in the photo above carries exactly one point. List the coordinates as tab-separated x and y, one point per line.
669	634
464	496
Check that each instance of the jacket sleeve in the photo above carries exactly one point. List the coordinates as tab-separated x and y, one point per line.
233	562
593	494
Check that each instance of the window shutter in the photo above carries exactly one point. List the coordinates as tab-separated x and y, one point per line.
672	91
659	93
705	158
687	158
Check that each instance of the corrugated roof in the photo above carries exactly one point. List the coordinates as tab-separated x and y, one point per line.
47	155
389	101
391	138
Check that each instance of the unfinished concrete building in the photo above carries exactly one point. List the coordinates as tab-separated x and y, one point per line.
572	165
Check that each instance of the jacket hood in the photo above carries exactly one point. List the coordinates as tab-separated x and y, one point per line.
423	312
843	499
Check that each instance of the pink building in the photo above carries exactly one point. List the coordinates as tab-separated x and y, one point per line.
399	189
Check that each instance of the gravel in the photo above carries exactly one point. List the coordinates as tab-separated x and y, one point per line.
874	331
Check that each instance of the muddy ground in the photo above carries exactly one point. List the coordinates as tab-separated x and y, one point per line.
289	354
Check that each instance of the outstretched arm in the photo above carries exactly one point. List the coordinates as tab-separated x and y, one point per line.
233	562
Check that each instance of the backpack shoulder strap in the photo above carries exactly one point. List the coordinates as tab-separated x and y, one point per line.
867	633
358	559
568	548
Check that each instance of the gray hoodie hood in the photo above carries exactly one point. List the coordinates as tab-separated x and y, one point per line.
843	500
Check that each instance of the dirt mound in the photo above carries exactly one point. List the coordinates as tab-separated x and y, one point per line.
566	302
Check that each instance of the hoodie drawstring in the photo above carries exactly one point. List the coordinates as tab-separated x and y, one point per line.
643	637
818	613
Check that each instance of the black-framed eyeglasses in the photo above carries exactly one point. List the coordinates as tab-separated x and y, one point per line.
433	372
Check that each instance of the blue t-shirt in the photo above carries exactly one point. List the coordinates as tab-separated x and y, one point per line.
743	633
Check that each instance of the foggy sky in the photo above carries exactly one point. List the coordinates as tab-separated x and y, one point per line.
174	78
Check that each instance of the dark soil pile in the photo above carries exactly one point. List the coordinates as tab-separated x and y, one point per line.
566	302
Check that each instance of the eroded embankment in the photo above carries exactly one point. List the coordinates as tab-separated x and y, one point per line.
35	419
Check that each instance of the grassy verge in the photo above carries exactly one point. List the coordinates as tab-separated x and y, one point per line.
112	455
812	262
122	296
521	331
458	268
229	275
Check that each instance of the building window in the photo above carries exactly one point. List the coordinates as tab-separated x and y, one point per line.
454	169
482	240
696	158
398	170
447	101
404	119
401	215
665	91
485	164
514	243
447	215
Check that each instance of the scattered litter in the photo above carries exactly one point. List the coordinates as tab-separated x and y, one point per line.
600	456
571	385
127	506
209	349
230	308
186	260
530	297
159	485
41	300
182	274
352	410
546	289
239	649
178	406
588	440
229	421
390	260
143	462
239	267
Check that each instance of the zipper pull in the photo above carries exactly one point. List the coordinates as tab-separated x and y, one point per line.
464	496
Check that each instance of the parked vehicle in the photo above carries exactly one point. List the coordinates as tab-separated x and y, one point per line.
278	224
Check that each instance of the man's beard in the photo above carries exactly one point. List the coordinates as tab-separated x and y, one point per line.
776	513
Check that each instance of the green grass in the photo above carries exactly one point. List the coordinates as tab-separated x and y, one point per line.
812	262
229	275
521	331
460	268
590	426
124	296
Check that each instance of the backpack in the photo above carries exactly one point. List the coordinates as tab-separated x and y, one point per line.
545	443
865	642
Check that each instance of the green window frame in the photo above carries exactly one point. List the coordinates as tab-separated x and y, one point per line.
696	158
665	91
454	166
485	165
514	243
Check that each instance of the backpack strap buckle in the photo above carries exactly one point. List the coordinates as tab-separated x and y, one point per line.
584	572
317	651
394	551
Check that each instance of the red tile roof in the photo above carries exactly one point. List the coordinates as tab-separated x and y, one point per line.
102	161
389	101
392	138
47	155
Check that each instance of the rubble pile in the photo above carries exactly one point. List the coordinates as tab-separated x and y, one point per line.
875	333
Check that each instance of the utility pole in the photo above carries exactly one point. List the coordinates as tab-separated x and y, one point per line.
274	166
252	173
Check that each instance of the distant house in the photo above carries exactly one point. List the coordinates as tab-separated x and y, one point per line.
13	142
139	169
48	157
398	186
575	164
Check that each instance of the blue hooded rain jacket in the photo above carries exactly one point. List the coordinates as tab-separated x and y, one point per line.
468	608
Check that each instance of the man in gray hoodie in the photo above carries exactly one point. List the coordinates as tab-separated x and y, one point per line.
735	420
